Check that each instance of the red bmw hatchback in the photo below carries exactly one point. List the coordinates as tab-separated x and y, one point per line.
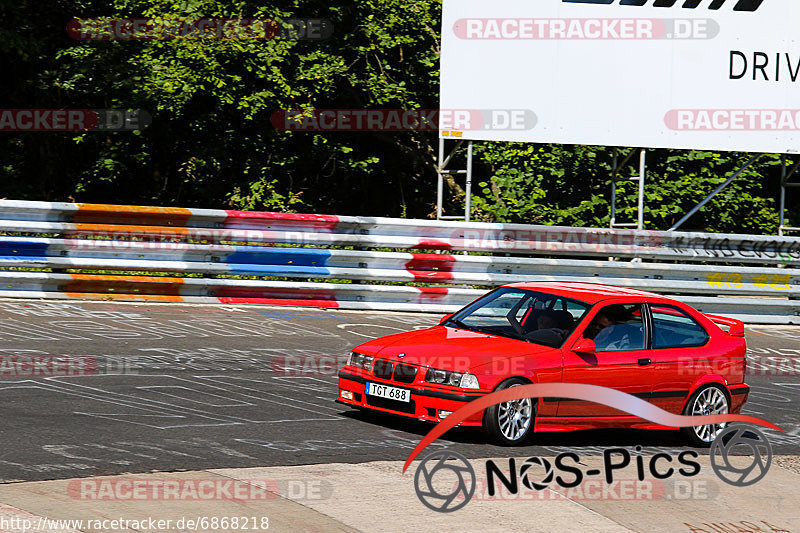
650	346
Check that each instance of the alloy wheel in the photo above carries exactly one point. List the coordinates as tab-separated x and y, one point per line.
514	418
711	401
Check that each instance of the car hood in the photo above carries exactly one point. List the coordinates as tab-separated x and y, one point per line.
448	348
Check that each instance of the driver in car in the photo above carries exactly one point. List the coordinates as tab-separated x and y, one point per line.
625	331
601	322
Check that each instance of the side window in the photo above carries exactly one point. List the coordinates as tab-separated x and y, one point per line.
672	328
575	309
618	328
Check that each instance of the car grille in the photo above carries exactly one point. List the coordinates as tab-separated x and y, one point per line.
383	369
405	373
394	405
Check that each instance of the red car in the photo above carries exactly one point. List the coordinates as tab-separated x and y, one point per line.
647	345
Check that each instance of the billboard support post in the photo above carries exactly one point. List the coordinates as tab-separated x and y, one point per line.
715	192
639	224
642	169
442	170
786	174
468	205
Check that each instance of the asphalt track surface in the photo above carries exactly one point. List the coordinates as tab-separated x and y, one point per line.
176	387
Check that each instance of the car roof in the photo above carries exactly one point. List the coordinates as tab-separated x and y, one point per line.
586	292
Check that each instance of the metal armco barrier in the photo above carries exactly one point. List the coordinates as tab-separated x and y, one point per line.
170	245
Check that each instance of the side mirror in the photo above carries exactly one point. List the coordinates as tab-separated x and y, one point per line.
445	318
585	347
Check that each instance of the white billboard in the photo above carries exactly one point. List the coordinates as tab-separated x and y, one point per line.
704	74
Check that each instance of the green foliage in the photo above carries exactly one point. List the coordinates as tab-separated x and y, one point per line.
570	185
211	142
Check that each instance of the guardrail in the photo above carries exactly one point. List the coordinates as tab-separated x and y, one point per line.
202	255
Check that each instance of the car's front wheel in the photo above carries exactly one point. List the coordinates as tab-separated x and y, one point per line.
511	423
708	400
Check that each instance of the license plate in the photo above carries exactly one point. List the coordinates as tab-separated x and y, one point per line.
385	391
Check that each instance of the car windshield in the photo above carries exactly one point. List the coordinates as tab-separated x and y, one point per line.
531	316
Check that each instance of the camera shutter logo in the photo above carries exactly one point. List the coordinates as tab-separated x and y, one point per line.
722	453
448	466
547	478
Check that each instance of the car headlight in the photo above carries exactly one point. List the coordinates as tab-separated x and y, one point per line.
469	381
454	379
360	361
436	376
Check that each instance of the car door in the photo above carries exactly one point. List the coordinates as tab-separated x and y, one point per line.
680	355
622	360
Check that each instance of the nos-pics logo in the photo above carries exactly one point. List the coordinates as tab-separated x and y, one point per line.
445	481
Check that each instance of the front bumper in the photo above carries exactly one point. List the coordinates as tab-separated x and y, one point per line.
426	402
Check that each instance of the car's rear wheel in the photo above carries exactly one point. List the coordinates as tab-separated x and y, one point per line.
511	423
707	400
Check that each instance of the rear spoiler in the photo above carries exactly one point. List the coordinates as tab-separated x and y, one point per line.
735	327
